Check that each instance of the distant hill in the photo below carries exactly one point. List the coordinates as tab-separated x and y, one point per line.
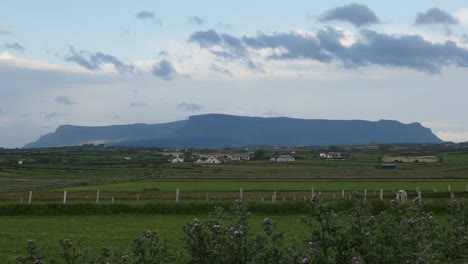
218	130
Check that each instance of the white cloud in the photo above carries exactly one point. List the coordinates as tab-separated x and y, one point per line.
453	136
462	15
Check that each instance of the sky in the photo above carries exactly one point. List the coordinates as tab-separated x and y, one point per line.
97	63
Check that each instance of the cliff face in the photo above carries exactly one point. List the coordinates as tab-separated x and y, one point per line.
216	130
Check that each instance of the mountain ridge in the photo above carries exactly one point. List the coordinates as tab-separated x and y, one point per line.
220	130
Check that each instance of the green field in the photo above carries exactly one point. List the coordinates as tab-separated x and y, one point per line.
116	231
81	171
222	186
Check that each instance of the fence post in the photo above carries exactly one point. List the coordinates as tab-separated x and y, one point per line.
365	194
21	200
207	198
381	194
334	196
449	189
30	197
64	197
452	196
294	197
177	195
312	192
241	194
342	194
112	200
138	199
435	189
97	196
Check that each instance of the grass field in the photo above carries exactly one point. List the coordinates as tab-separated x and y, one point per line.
116	231
83	171
220	186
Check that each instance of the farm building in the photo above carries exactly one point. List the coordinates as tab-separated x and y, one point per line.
331	155
212	160
283	158
237	157
177	159
127	158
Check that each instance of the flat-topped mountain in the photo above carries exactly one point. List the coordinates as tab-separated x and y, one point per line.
218	130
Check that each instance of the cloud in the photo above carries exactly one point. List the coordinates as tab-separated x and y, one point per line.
196	20
163	53
52	115
232	46
205	39
165	70
14	46
137	104
190	107
64	100
453	136
464	38
94	61
220	70
435	16
291	45
149	15
5	31
356	14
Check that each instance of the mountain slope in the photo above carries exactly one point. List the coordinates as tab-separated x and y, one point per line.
217	130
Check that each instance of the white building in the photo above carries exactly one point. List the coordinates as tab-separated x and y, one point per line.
283	158
237	157
127	158
212	160
177	159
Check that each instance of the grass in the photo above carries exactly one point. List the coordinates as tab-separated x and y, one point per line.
116	231
220	186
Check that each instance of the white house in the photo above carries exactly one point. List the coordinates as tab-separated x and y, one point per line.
177	159
237	157
331	155
127	158
212	160
283	158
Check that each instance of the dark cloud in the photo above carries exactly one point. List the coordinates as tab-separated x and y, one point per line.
15	46
196	20
137	104
94	61
435	16
292	44
189	107
5	31
64	100
371	48
410	51
205	39
149	15
220	70
356	14
165	70
232	46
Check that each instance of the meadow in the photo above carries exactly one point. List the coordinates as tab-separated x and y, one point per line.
144	190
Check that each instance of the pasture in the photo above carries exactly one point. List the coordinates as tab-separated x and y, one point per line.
148	180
